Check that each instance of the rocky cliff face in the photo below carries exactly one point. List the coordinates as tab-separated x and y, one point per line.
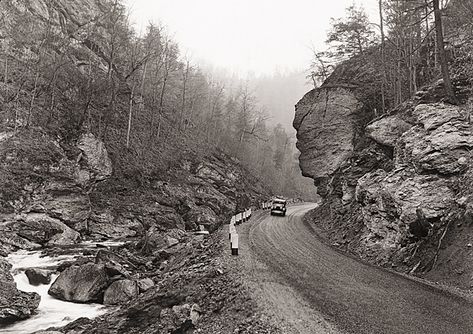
61	16
56	195
393	186
326	123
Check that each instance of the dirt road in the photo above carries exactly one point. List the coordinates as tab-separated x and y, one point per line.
311	288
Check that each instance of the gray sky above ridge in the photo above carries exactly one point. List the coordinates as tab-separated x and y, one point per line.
246	36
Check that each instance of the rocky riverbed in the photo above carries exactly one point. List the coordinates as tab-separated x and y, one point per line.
184	287
33	272
60	207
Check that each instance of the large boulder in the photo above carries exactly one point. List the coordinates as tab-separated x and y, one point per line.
325	121
441	143
387	130
120	292
41	228
330	123
38	276
81	284
96	157
14	304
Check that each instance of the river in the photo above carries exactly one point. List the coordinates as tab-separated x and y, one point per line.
51	312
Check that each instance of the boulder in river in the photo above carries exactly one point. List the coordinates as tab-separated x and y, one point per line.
38	276
81	284
120	292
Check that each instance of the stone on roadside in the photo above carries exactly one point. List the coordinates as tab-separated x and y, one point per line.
195	314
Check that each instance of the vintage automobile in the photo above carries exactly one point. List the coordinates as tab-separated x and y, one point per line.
278	207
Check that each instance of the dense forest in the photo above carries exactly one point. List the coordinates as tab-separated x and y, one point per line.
148	102
415	43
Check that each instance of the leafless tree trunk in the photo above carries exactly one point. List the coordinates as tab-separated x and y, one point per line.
185	78
33	96
113	40
130	112
143	78
5	75
447	81
383	58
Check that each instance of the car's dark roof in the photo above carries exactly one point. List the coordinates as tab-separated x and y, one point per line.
279	200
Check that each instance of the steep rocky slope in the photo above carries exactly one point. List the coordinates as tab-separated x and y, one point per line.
67	174
396	188
55	195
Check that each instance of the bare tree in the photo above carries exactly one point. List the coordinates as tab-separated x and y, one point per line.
447	81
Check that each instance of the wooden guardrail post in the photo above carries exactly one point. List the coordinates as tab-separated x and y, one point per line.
238	218
234	244
232	232
231	228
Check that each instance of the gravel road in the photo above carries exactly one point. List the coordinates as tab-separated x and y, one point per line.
308	287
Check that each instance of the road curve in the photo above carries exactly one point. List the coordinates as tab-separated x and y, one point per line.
356	297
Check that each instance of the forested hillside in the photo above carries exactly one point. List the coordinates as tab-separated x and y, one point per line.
112	138
80	67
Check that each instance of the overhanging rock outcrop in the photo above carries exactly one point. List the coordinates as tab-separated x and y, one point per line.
328	121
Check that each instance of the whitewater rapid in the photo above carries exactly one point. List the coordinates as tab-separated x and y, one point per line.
51	312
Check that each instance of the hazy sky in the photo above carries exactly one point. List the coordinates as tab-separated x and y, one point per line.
246	36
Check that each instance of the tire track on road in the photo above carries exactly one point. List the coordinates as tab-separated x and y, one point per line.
356	297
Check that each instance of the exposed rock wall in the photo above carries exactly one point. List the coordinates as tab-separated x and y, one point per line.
67	17
391	186
329	121
59	197
325	128
43	199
